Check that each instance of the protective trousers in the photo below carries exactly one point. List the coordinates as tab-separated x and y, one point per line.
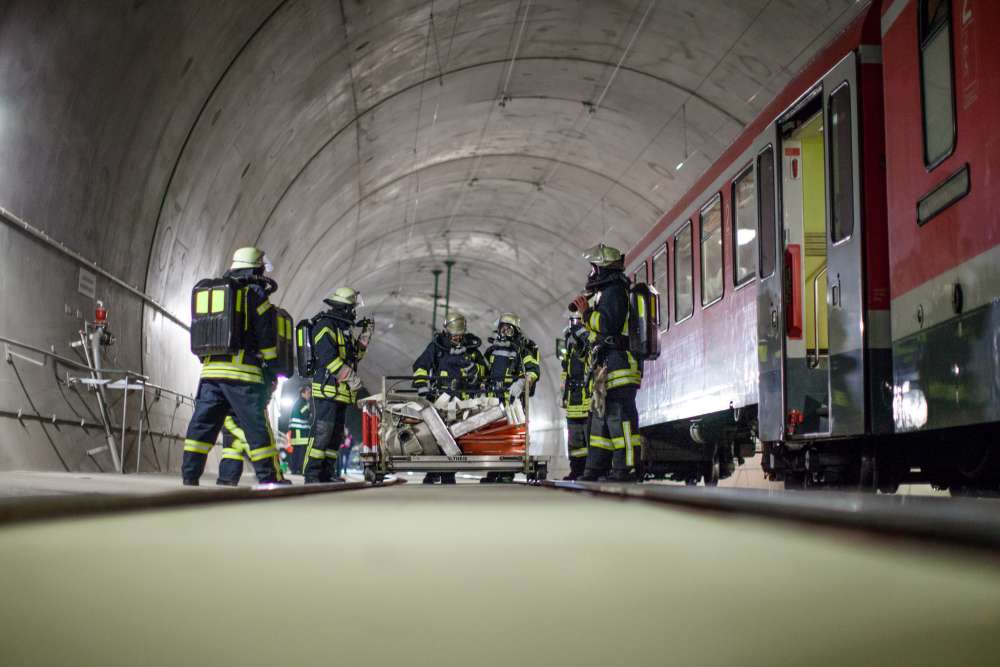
245	402
234	449
327	435
614	442
576	443
298	454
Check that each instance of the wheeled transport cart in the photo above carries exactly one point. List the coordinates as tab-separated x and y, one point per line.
402	432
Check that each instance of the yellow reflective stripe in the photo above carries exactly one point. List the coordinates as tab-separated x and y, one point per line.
298	442
316	453
232	454
331	453
578	452
335	365
220	374
198	447
201	302
264	307
269	353
629	449
622	382
263	452
594	321
600	443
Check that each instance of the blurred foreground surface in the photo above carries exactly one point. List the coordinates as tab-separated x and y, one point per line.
482	575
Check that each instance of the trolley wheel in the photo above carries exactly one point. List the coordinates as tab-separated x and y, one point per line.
542	473
370	475
379	479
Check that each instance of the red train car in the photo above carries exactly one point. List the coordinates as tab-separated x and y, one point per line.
825	278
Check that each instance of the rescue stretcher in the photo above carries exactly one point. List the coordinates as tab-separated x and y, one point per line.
402	432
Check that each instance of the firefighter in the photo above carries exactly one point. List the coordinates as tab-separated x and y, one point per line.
336	382
512	363
300	429
238	384
614	444
576	393
451	363
235	448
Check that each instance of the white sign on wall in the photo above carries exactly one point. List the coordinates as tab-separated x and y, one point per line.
87	283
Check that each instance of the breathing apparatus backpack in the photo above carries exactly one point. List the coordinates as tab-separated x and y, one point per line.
218	317
284	365
644	322
305	355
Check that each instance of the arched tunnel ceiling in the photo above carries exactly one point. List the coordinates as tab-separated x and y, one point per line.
366	142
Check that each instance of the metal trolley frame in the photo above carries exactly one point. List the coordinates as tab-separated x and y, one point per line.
378	462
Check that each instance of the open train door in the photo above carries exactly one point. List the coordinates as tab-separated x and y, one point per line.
845	250
770	311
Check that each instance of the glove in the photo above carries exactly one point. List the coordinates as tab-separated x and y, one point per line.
349	376
517	388
582	305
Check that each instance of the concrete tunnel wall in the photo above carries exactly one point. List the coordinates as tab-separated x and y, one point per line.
359	143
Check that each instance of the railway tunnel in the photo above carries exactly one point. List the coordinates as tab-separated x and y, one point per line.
434	155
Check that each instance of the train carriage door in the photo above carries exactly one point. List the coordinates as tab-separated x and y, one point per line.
845	251
770	317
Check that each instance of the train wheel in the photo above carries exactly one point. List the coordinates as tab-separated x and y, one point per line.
711	473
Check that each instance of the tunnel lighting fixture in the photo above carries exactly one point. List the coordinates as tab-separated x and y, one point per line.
679	165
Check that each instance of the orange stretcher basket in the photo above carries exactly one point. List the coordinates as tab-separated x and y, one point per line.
499	440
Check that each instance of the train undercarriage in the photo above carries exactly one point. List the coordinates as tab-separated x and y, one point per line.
706	449
964	461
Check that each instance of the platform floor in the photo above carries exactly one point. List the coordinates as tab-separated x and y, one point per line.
482	575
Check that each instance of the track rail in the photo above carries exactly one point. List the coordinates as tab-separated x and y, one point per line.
945	520
18	510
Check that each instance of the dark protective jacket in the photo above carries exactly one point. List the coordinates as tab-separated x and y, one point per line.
260	339
459	371
607	319
335	347
576	372
509	360
300	422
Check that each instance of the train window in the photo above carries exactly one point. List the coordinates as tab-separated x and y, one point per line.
936	80
683	274
711	251
744	227
658	279
766	211
841	131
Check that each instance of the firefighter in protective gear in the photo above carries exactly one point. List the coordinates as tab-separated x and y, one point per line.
576	393
238	384
235	448
451	363
300	429
512	371
614	443
336	381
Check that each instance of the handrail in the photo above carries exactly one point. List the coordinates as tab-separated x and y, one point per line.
66	361
813	361
39	235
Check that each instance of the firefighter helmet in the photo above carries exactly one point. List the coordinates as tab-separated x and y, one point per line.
603	255
347	296
455	324
249	258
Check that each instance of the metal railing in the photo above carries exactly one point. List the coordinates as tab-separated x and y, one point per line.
127	380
